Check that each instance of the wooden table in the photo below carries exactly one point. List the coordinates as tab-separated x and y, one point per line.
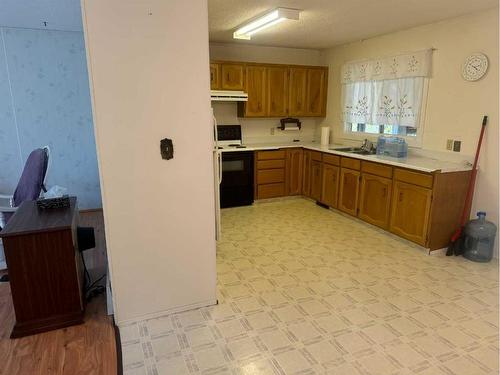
45	268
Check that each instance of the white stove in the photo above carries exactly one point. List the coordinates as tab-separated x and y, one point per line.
229	136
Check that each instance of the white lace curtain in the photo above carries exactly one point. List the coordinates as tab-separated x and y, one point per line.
385	91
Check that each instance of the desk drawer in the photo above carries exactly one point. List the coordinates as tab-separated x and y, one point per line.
350	163
269	155
412	177
331	159
376	169
270	164
269	176
270	191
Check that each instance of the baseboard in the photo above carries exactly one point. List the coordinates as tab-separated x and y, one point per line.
171	311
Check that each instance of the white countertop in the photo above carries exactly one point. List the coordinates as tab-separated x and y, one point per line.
415	161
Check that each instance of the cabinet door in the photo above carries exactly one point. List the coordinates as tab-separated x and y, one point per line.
375	200
329	192
256	88
411	206
232	76
349	190
277	91
306	174
298	92
316	180
316	92
214	76
294	159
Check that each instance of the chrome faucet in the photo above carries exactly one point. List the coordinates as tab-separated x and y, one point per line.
367	146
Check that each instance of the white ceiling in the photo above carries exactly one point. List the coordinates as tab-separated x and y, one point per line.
31	14
326	23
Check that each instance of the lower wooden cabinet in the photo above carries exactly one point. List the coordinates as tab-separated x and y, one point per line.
411	205
375	200
306	174
316	180
329	191
421	207
348	191
294	169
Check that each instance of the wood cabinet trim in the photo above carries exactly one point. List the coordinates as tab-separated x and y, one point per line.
413	177
380	215
350	163
376	169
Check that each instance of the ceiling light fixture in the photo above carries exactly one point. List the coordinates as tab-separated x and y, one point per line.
263	22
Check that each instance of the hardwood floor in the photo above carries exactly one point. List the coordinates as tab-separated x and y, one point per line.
88	348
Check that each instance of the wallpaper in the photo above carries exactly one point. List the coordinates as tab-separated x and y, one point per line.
45	100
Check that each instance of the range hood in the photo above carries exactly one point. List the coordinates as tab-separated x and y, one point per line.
228	96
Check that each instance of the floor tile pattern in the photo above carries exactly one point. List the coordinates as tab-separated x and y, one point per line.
305	290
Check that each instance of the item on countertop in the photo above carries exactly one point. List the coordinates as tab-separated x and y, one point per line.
325	136
457	239
395	147
479	239
50	203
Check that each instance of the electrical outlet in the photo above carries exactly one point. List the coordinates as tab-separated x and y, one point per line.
457	145
449	144
272	130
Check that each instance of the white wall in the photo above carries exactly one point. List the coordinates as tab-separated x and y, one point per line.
259	130
149	81
454	107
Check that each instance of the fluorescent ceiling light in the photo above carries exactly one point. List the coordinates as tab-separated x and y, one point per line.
263	22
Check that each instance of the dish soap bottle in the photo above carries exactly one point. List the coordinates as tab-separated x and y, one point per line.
479	239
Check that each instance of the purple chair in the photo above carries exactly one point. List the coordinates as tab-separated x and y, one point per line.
29	187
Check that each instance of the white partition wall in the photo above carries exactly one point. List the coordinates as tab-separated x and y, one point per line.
148	65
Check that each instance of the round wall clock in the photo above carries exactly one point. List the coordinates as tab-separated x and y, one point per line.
475	67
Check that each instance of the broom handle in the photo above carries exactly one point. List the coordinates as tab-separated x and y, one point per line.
472	181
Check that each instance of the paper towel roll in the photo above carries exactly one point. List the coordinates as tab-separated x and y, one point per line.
325	136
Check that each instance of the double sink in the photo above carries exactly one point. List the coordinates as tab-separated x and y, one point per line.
355	150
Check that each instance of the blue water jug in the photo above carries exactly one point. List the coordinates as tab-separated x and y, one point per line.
479	239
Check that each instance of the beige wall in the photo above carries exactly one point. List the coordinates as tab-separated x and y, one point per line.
149	79
454	107
259	130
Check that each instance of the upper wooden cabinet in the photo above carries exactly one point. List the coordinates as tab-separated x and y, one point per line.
316	92
298	92
214	76
294	169
232	76
274	90
277	91
256	87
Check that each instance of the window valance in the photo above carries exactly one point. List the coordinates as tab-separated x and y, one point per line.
415	64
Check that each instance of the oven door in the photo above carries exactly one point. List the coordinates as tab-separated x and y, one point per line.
236	188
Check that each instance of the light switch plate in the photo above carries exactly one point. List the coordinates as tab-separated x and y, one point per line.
449	144
457	145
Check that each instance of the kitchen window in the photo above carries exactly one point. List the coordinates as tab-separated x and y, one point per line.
386	96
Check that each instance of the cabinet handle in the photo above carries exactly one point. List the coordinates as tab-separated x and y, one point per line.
384	192
400	196
227	77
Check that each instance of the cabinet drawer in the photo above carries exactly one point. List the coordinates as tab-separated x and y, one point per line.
270	164
269	155
316	155
376	169
270	191
331	159
415	178
350	163
269	176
